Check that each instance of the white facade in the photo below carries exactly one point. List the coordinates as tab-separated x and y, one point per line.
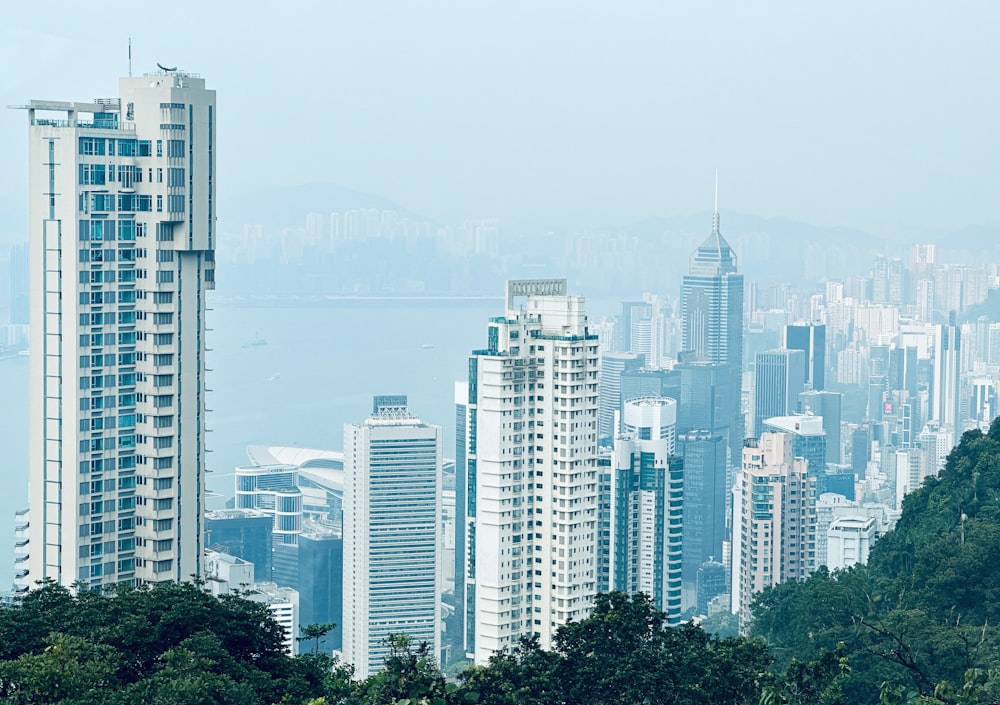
122	237
533	470
774	519
392	533
849	541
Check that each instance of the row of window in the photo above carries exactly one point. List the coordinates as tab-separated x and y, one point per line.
123	147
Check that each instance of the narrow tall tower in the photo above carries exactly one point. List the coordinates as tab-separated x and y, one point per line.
712	317
392	543
646	505
531	470
122	241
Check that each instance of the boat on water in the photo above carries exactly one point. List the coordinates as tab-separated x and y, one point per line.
255	343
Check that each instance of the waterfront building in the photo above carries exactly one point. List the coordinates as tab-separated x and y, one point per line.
122	231
532	469
244	533
392	537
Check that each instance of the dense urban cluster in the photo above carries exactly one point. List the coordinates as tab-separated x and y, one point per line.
752	458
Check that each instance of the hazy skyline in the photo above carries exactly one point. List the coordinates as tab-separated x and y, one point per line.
880	116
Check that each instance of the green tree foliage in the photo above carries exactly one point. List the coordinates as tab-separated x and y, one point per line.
917	622
172	643
624	653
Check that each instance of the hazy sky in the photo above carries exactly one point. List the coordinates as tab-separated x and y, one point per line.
881	115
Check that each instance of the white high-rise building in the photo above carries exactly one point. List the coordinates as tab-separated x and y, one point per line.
774	519
392	537
122	240
532	470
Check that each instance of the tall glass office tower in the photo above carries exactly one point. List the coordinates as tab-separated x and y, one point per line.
712	317
122	242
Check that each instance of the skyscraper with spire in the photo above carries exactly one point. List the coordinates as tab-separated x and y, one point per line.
712	315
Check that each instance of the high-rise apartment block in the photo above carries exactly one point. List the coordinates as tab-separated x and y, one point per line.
774	519
646	503
531	467
122	242
392	538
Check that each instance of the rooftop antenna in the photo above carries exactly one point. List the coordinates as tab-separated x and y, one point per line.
130	56
715	213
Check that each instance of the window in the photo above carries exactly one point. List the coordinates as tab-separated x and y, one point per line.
126	318
126	565
92	175
91	146
126	276
126	544
175	176
126	503
163	381
163	442
145	148
163	421
163	545
126	255
126	296
126	379
163	483
126	523
162	319
164	255
163	524
126	421
127	338
126	358
163	339
144	203
162	464
162	401
164	231
159	148
102	202
126	202
175	204
159	204
127	441
128	148
126	230
162	566
162	359
163	297
175	149
161	505
126	463
126	399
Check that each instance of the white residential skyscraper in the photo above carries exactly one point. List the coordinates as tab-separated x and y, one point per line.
392	539
774	519
122	238
532	469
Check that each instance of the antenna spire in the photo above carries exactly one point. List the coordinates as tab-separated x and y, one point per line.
715	213
130	60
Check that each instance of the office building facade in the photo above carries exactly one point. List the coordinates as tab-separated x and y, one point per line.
122	241
777	384
392	538
712	319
